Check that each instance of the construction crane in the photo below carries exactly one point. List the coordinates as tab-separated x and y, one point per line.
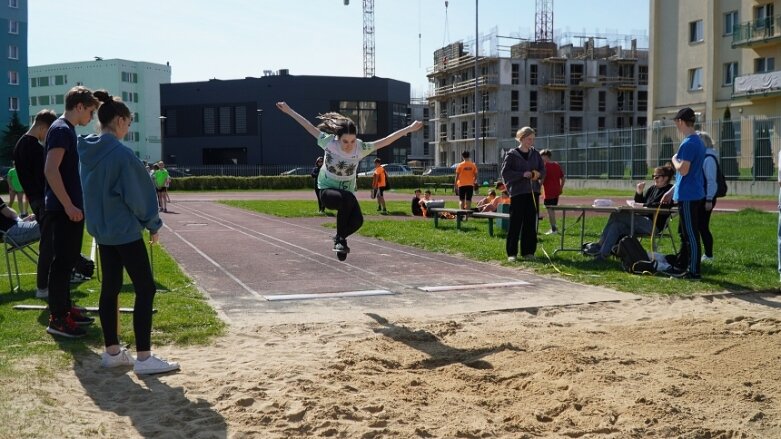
543	17
368	37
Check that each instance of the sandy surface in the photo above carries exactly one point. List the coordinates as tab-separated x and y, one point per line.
690	368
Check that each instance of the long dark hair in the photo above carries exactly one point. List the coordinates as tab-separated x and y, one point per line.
110	108
335	123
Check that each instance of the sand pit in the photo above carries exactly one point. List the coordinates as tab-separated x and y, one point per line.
690	368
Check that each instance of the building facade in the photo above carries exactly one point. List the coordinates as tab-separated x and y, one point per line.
718	57
421	144
137	83
553	89
224	122
13	91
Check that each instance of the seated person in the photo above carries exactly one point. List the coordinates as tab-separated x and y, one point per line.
619	223
416	209
504	199
22	231
488	204
424	204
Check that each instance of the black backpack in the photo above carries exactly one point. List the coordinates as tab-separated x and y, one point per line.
721	182
634	258
85	267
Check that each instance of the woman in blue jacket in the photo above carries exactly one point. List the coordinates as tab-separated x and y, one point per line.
119	203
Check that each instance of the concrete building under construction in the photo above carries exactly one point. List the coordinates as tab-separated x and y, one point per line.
555	88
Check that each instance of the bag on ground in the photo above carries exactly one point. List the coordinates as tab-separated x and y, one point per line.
634	258
85	267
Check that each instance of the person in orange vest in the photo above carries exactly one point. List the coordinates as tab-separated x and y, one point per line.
466	178
379	182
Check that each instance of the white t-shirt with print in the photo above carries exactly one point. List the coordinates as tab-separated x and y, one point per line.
339	168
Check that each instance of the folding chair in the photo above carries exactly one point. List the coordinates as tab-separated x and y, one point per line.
661	232
10	248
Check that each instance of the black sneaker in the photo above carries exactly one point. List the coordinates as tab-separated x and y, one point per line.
65	327
79	318
681	274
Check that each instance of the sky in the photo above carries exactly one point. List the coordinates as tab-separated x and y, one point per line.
232	39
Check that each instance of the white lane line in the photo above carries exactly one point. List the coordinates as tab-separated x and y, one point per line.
216	264
365	293
333	265
459	264
473	286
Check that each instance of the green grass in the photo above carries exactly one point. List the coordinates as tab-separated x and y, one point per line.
744	248
183	317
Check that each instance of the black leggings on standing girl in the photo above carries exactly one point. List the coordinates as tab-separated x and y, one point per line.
133	258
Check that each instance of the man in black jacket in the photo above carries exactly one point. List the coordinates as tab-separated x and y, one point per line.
29	158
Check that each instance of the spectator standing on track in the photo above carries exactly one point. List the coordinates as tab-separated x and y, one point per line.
466	179
313	174
63	219
336	134
522	170
379	183
119	203
29	157
553	185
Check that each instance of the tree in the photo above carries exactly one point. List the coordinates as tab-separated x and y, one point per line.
11	134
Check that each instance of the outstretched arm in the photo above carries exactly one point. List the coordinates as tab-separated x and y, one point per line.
311	129
414	126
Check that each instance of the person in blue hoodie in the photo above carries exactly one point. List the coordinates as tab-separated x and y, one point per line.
119	203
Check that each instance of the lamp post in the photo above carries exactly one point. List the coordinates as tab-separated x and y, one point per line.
162	134
260	133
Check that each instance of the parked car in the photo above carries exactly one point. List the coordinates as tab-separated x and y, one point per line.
298	171
179	172
392	169
436	171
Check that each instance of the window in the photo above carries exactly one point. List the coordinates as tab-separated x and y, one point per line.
209	120
602	101
364	113
763	16
13	77
59	99
516	72
730	22
533	100
642	100
514	100
576	100
602	72
764	65
485	102
60	79
695	79
532	123
533	74
44	100
515	125
13	4
696	31
730	72
13	52
642	74
601	123
33	100
576	124
575	74
13	27
33	82
241	119
225	120
464	129
13	103
43	81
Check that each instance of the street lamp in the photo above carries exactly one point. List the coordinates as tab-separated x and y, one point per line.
260	133
162	133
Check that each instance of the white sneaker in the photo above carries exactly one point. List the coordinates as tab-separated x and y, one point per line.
153	365
122	359
551	232
511	259
708	259
42	293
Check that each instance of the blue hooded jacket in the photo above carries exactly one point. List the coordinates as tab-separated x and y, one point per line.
119	197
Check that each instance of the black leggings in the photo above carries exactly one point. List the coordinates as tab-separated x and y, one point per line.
348	216
133	258
705	234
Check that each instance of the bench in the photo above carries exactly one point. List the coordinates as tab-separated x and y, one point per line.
460	214
436	186
491	216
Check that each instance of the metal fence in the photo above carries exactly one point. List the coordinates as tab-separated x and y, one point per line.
747	146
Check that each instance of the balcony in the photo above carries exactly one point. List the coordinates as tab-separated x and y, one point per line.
757	85
467	86
757	33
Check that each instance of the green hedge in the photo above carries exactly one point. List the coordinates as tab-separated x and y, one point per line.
290	182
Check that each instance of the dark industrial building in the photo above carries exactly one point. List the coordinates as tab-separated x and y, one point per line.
223	122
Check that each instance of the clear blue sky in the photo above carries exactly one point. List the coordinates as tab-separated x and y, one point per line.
231	39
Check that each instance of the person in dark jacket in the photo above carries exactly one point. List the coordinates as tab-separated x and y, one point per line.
119	203
315	172
522	172
619	224
416	209
29	157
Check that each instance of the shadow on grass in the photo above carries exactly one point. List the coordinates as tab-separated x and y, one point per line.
154	408
439	353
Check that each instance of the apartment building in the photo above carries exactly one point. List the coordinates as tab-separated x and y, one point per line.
137	83
421	145
13	14
718	57
554	89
